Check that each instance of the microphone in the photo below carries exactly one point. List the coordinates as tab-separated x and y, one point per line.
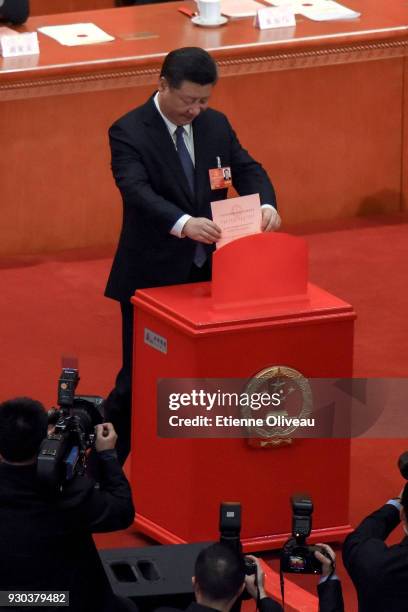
15	11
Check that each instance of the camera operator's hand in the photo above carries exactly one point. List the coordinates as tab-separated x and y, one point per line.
251	585
105	437
328	565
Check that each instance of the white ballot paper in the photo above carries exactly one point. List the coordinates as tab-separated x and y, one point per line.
237	217
76	34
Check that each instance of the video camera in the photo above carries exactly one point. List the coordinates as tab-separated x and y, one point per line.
63	453
297	557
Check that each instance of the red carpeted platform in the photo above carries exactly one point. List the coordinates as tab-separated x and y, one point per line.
53	305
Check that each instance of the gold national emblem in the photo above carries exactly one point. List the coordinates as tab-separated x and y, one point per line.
295	403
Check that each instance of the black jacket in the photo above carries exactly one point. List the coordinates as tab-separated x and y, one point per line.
379	572
155	193
266	605
330	600
330	596
46	542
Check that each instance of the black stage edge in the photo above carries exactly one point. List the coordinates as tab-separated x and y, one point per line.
153	576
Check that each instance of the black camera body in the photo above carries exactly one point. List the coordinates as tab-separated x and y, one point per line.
297	557
63	452
250	567
300	559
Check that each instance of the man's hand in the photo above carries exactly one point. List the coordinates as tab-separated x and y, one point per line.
251	587
271	220
327	564
202	230
105	437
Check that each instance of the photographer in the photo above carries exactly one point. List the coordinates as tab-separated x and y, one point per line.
380	572
46	539
219	580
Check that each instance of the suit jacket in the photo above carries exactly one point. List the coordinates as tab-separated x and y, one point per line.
330	600
266	605
155	193
330	596
379	572
46	542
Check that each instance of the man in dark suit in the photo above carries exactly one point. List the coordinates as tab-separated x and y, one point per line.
219	580
380	572
46	539
164	155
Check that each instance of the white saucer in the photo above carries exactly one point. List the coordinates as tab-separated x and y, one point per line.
198	21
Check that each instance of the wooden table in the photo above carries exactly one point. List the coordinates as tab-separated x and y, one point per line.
322	106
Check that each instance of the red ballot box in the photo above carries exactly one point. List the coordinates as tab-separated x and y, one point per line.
258	314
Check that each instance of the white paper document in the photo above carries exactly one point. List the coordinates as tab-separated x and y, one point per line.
317	10
76	34
240	8
237	217
328	10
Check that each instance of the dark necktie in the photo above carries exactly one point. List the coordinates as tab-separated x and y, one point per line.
200	254
185	157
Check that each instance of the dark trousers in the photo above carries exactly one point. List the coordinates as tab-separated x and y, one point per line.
118	404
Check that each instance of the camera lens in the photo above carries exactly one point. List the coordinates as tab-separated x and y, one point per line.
84	420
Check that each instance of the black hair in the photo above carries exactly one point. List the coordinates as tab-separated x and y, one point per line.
23	426
15	11
404	500
219	572
189	64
